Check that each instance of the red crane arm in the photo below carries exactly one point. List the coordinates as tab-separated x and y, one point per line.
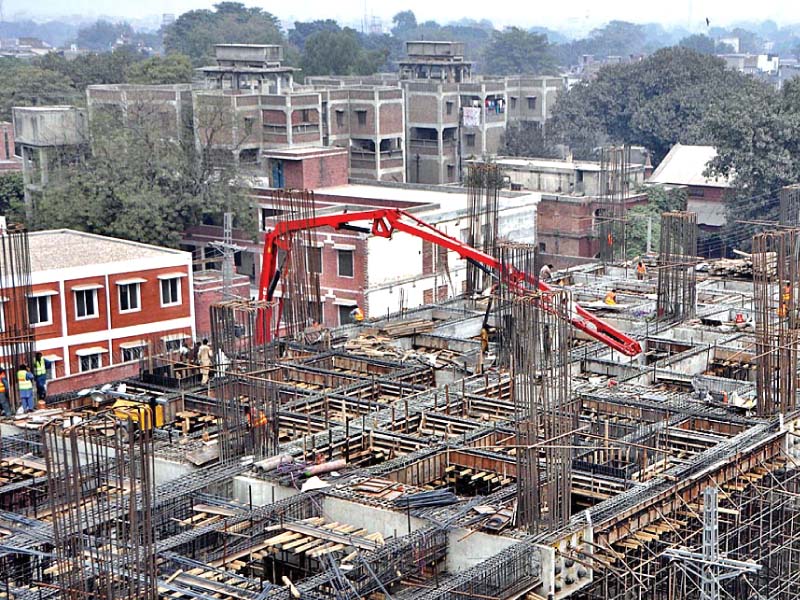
385	222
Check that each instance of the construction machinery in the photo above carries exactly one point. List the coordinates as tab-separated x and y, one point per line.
387	221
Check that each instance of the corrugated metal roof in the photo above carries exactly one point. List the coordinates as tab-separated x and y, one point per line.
684	165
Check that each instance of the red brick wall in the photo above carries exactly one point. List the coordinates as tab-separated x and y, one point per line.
92	379
150	299
54	329
274	117
293	174
204	298
297	116
391	119
316	172
334	170
6	141
75	325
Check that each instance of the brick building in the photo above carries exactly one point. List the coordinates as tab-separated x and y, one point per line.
98	303
571	200
8	159
685	166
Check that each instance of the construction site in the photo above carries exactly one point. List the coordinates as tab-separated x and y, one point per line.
611	433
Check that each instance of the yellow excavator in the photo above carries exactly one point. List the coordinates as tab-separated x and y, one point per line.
143	409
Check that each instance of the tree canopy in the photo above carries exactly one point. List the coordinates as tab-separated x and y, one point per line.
194	33
30	85
102	35
515	51
665	98
173	68
339	53
150	193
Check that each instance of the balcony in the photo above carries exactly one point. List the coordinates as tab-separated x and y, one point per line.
362	159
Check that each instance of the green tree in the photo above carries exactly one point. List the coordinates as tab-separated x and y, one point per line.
101	35
339	53
173	68
94	68
303	31
194	33
515	51
527	139
12	195
648	216
150	192
700	43
666	98
404	23
29	85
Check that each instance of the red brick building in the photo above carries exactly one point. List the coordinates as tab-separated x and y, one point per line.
685	166
97	304
8	161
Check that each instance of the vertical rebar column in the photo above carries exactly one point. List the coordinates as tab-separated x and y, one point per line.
514	258
16	334
544	413
248	399
300	271
101	493
677	279
790	205
483	184
614	189
776	268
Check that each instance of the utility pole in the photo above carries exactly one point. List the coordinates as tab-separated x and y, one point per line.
710	566
649	234
229	250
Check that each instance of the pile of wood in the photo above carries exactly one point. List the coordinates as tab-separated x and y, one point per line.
206	514
404	328
739	268
190	421
17	469
378	488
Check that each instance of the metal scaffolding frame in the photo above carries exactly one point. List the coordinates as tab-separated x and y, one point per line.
789	211
614	189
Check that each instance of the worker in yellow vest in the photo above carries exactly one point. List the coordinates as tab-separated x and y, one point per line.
4	403
25	382
611	298
357	314
41	366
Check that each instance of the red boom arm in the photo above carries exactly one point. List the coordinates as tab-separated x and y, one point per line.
384	223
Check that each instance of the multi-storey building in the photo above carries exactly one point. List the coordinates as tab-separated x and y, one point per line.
254	68
8	159
47	137
97	303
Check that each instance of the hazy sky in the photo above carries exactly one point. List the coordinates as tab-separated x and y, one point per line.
569	15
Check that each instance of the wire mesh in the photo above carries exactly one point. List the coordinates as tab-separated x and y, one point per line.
677	279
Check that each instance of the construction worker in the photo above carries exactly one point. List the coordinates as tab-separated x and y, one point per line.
25	382
205	358
641	271
357	314
41	366
546	273
786	296
260	419
4	389
611	298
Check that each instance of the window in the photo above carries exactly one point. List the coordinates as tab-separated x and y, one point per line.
362	117
339	118
248	125
133	353
304	115
531	103
345	263
39	310
470	140
449	106
129	297
513	102
170	291
345	318
173	345
85	304
542	247
451	171
314	259
90	362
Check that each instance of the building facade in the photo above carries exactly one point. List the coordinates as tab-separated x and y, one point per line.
99	304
